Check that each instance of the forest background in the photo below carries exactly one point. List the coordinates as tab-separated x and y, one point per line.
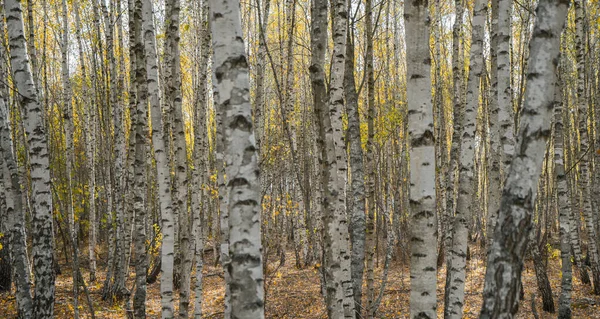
135	156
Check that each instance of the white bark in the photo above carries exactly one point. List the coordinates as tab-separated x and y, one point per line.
231	95
585	113
162	165
42	241
457	257
564	206
16	216
423	223
199	202
505	258
139	123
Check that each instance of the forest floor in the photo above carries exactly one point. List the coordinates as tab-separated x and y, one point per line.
295	293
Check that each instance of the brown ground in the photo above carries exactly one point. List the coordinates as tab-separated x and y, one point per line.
293	293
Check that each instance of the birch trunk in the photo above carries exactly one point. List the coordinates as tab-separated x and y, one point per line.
199	200
370	224
90	137
231	96
339	299
564	207
162	165
505	257
457	258
583	114
357	186
458	75
140	124
16	215
423	223
42	236
67	112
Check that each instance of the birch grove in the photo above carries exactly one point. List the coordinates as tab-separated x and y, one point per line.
299	159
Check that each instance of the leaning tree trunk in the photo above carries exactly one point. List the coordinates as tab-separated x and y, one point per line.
231	95
423	221
42	236
505	257
457	252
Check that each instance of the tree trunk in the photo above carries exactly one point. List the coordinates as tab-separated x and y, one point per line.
42	240
370	224
140	124
199	200
505	257
585	175
541	274
458	75
231	86
162	166
564	205
15	236
423	221
457	258
356	200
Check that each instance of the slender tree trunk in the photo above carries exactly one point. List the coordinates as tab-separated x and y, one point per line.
458	75
457	258
564	205
423	222
584	169
505	258
140	124
370	224
200	150
541	274
357	192
161	157
339	298
67	112
231	86
173	96
16	215
42	237
6	265
90	137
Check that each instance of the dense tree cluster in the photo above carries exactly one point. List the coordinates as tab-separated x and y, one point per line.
140	138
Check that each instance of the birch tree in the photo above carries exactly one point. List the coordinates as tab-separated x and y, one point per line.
16	215
140	124
199	203
231	94
505	257
457	258
161	157
584	114
42	240
423	223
